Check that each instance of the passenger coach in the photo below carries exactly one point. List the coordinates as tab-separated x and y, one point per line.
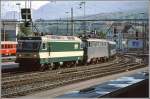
97	50
8	48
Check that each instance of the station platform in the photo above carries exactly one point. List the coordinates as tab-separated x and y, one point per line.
9	65
8	57
95	87
111	88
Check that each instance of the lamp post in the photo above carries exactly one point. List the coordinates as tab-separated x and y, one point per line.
144	40
83	4
18	4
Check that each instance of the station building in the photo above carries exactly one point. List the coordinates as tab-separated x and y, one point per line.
9	30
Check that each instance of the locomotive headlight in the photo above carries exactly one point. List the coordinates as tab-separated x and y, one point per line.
35	55
19	55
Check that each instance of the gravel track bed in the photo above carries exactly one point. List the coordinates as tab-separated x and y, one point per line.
14	75
12	87
48	84
15	81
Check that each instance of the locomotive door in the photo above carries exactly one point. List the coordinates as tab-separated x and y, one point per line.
49	49
85	49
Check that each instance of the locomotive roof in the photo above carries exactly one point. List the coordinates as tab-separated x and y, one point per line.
100	40
60	38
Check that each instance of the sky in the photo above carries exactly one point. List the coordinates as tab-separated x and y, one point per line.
92	7
12	4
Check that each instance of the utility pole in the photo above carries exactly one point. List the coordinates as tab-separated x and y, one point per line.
25	8
143	33
18	4
72	24
83	3
57	27
67	22
31	17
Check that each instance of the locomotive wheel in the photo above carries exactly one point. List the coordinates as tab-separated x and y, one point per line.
50	67
68	65
72	64
86	64
42	67
46	67
92	61
57	65
97	61
22	67
107	59
76	63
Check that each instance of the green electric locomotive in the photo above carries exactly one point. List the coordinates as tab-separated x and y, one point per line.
49	52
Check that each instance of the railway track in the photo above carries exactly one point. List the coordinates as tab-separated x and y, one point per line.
17	87
23	74
17	73
36	75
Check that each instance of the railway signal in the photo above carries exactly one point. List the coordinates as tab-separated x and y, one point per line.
26	13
